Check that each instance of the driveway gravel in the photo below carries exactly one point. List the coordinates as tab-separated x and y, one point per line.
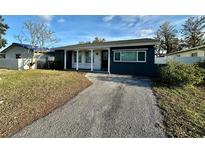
113	106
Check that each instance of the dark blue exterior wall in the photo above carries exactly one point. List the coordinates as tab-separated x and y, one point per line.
59	59
134	68
69	60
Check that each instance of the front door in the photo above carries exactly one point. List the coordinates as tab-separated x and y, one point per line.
104	64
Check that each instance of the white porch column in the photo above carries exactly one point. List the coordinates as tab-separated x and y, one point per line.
77	54
91	67
108	68
65	59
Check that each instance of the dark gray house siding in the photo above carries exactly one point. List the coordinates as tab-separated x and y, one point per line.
69	60
134	68
126	61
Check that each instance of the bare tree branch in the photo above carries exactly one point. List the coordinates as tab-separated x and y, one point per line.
36	35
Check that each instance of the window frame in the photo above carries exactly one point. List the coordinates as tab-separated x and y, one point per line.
130	50
89	55
79	57
194	54
114	56
18	56
2	56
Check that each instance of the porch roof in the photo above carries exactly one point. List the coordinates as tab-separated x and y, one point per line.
108	44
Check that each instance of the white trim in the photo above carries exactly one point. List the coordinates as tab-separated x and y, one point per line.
104	46
87	57
108	69
77	54
65	59
135	49
130	50
114	56
91	64
193	54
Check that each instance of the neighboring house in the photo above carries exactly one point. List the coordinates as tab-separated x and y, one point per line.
134	57
24	53
187	56
191	55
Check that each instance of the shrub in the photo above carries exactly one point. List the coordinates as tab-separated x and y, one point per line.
178	74
202	64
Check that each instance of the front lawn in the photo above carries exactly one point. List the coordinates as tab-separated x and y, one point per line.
26	96
183	109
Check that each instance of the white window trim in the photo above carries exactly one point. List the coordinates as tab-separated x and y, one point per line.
90	58
74	58
194	53
114	56
130	50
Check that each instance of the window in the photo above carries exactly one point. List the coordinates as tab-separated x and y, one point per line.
194	54
141	56
129	56
117	56
18	56
2	55
79	57
88	57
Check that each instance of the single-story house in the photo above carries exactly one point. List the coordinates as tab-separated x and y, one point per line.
192	52
134	57
17	51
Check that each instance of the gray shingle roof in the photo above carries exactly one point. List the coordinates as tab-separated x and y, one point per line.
110	43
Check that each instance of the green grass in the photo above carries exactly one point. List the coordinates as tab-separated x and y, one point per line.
183	109
28	95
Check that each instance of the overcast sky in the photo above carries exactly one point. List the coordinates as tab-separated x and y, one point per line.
72	29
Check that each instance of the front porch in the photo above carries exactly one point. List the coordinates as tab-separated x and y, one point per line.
87	60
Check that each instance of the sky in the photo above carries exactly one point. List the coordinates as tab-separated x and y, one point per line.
73	29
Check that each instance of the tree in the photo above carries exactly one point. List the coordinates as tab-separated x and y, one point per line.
84	42
166	35
96	40
193	31
3	29
36	34
46	37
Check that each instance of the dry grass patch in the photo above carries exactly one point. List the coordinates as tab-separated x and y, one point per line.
183	109
26	96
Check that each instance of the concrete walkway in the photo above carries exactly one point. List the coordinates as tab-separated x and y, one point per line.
114	106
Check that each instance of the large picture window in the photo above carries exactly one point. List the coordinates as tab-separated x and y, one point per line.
129	56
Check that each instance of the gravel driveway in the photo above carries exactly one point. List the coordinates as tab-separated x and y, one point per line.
113	106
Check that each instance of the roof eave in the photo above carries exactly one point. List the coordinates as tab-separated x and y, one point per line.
94	46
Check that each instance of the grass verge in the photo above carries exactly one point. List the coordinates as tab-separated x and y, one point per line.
26	96
183	109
